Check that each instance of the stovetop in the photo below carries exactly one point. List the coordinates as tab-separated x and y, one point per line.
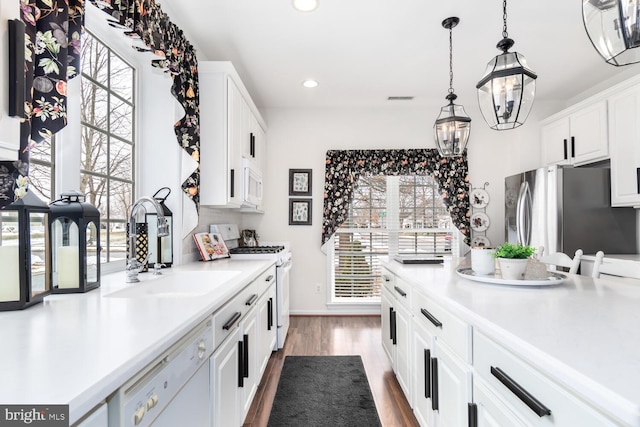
257	249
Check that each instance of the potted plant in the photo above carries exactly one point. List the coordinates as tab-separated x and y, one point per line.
513	259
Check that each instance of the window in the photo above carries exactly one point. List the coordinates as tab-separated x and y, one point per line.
107	141
42	170
387	215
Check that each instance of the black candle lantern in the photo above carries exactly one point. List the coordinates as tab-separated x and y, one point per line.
160	248
24	253
75	244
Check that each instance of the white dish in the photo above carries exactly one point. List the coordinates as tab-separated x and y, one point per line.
479	221
480	241
552	280
479	198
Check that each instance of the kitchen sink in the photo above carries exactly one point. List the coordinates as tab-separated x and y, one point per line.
186	284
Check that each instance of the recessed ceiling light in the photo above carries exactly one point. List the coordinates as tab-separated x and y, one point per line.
305	5
310	83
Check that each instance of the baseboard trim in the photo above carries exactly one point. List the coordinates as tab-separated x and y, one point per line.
346	311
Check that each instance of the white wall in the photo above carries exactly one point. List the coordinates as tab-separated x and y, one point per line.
299	138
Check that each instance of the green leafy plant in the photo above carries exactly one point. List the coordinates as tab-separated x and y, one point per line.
514	251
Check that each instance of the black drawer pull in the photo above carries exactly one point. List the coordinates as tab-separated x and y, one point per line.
400	291
573	146
269	278
232	183
240	363
565	150
245	368
394	335
473	415
522	394
638	179
431	317
251	300
427	373
269	314
231	321
386	279
434	384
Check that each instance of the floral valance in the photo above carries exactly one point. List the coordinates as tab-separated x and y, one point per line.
145	21
344	167
52	56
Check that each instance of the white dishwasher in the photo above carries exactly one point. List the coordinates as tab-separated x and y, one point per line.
171	391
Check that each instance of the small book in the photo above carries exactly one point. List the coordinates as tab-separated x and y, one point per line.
211	246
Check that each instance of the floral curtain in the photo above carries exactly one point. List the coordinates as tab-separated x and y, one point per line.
145	21
344	167
52	56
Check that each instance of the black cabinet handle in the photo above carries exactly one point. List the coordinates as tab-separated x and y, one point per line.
251	300
565	149
393	326
427	373
434	384
232	182
431	317
573	146
240	363
522	394
269	314
473	415
386	279
269	278
245	367
638	179
252	144
400	291
231	321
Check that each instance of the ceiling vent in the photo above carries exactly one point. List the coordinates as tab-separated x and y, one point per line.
399	98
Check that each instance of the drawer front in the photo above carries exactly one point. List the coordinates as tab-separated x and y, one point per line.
530	394
444	325
266	279
226	319
401	290
388	279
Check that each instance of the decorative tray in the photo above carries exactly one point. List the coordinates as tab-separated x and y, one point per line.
553	278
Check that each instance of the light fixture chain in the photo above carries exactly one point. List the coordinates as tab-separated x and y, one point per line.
504	19
451	60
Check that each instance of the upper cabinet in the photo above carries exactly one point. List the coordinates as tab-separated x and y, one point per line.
232	140
624	135
576	136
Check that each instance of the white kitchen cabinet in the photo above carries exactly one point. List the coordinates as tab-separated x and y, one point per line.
228	122
624	136
226	380
489	410
422	351
576	137
267	326
387	318
250	346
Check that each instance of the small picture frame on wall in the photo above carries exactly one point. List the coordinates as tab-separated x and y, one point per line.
300	211
300	182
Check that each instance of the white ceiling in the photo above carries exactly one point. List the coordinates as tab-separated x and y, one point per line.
362	51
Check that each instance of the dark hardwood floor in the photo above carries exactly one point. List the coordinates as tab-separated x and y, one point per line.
337	335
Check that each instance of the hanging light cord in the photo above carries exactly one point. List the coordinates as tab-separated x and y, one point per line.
450	60
504	19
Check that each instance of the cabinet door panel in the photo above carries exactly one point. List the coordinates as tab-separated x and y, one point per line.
589	131
454	388
402	364
422	352
249	329
554	136
225	392
386	314
491	410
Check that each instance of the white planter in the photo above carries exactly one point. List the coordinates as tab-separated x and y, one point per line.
513	269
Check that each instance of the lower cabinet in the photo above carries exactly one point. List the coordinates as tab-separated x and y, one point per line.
488	410
250	372
226	381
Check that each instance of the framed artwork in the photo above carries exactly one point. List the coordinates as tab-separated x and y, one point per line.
299	211
300	182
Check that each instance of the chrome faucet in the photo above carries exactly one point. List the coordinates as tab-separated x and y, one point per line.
134	266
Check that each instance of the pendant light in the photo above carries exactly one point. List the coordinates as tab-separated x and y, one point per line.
506	91
453	126
613	26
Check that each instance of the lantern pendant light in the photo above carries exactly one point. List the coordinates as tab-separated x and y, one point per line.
453	126
613	26
506	91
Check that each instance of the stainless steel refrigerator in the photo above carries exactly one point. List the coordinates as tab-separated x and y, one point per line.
566	208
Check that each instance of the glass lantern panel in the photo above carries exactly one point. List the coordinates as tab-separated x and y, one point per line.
93	253
9	262
452	130
613	41
38	225
65	242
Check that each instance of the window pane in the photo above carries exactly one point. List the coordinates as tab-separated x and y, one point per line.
121	118
40	181
94	105
120	199
41	151
94	150
121	78
121	159
94	59
117	241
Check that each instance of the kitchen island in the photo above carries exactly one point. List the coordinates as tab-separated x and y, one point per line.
583	334
77	349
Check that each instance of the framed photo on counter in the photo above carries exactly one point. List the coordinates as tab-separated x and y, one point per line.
300	182
299	211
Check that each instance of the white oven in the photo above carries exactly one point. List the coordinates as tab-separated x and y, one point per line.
283	272
252	184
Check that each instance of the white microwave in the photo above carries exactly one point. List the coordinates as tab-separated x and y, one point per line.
252	185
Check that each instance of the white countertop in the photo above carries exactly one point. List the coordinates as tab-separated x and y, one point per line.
77	349
584	332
